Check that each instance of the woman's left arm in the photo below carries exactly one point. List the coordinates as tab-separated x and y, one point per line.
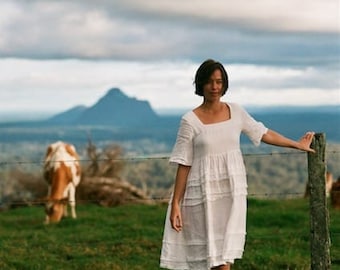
275	138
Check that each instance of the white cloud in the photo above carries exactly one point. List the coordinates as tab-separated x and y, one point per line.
270	15
283	97
151	49
35	85
274	77
265	31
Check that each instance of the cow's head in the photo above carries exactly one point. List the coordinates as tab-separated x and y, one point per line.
54	210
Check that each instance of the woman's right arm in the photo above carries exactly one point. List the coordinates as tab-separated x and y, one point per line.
179	189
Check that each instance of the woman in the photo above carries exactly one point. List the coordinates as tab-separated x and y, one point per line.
206	219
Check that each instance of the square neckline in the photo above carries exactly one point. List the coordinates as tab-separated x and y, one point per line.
216	123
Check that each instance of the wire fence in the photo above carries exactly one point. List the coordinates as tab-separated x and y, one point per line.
152	157
165	195
145	158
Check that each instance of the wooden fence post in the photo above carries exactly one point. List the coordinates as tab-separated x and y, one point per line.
319	219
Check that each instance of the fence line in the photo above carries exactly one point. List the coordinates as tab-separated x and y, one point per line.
153	199
141	158
166	157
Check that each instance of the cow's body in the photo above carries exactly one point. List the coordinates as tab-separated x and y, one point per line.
335	194
62	172
329	183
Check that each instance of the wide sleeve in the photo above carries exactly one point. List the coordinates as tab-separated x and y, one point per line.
252	128
182	152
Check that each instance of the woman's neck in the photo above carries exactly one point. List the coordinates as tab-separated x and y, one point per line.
212	106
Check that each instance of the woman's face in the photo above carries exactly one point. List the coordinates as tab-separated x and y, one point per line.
213	88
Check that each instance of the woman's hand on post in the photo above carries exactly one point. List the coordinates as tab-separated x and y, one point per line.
305	142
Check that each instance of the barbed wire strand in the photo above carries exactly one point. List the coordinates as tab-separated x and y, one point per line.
157	199
143	158
166	157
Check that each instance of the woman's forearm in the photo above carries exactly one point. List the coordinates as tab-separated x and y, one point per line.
180	183
275	138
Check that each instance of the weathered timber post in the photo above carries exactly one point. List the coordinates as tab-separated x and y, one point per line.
319	231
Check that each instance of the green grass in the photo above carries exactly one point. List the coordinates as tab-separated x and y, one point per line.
130	236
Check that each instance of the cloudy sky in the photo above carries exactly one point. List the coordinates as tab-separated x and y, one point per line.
58	54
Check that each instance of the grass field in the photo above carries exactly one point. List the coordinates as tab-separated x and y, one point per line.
129	237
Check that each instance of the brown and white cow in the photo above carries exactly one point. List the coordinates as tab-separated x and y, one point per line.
62	172
335	194
329	183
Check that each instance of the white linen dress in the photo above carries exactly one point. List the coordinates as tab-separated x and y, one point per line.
214	204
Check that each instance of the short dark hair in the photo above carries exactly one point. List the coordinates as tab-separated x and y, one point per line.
204	73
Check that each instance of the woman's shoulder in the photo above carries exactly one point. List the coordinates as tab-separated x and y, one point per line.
235	106
188	117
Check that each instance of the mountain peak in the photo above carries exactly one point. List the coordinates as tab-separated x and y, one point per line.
117	109
115	92
114	108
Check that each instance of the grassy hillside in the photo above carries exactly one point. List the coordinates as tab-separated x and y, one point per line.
129	237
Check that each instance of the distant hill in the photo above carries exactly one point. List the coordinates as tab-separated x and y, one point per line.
114	109
69	116
117	117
